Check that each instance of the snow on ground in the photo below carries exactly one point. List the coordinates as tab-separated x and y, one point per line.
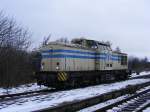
147	110
53	99
141	74
22	88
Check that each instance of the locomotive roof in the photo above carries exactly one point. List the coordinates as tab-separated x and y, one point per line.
69	45
99	42
104	44
81	46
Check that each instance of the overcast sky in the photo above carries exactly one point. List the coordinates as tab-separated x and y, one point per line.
126	23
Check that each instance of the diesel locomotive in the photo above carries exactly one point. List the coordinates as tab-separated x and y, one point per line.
84	62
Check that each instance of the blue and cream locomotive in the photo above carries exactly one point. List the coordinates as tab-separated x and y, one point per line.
84	62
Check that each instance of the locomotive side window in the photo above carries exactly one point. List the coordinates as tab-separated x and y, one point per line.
123	60
91	44
104	47
110	65
107	65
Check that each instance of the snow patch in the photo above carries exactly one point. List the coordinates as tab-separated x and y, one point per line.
147	110
21	89
141	74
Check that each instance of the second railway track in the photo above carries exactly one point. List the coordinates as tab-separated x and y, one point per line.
25	93
134	103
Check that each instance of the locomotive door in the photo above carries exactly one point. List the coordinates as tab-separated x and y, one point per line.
108	61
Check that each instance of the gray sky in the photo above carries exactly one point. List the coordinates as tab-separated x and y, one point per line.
126	23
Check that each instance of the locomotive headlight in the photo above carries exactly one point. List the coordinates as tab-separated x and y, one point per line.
57	68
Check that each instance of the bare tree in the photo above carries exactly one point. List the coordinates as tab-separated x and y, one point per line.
138	64
14	42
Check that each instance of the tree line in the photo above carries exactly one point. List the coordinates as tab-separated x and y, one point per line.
15	60
138	64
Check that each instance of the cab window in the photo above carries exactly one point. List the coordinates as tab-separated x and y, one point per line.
123	60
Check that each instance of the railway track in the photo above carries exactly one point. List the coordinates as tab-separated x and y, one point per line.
81	104
137	104
25	93
134	103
